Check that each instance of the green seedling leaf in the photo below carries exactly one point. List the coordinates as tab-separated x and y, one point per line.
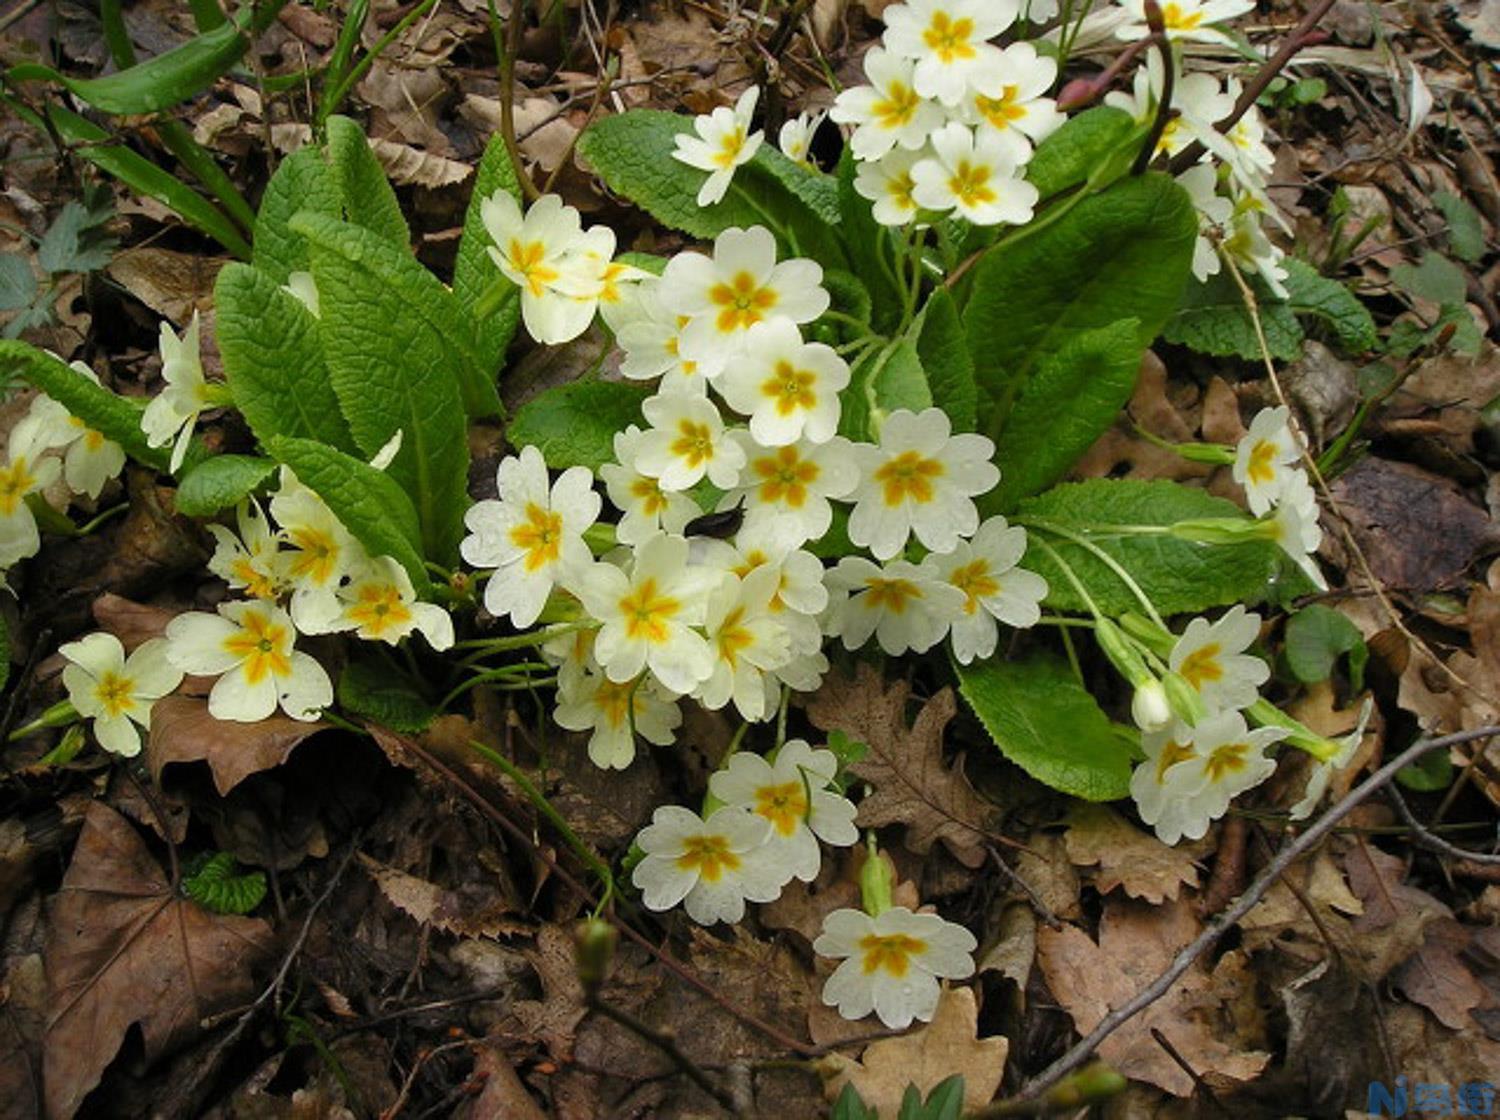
1434	278
395	345
17	282
1178	576
216	887
369	502
1465	229
946	1101
1084	142
73	244
475	273
302	182
1429	774
944	354
1316	637
363	188
574	425
1122	254
1068	403
221	482
273	359
379	692
851	1106
112	415
1049	725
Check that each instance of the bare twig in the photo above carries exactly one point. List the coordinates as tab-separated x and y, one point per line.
1427	839
1220	925
667	1044
1043	911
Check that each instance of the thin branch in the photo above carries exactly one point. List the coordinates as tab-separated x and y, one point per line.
1427	839
667	1044
1216	929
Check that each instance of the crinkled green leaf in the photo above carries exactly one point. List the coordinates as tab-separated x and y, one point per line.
303	181
395	346
574	425
1331	302
944	353
363	188
217	887
819	191
368	502
378	692
221	482
890	377
1178	576
1465	228
273	359
1070	401
17	282
474	273
1049	725
1213	320
1075	151
1316	637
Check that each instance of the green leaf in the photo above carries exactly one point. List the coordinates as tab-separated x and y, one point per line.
575	424
302	182
394	343
72	244
221	482
1178	576
847	294
116	417
870	248
851	1106
475	272
944	354
1316	296
216	887
1465	229
367	196
273	359
378	691
1049	725
819	192
1213	320
1316	637
368	502
1077	149
891	377
1068	403
1434	278
1430	773
946	1101
1123	254
17	282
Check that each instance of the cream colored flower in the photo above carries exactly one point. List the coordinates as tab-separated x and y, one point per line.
249	647
893	964
724	142
117	692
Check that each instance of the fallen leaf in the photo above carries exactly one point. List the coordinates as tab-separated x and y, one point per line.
23	1014
913	785
125	950
473	909
405	165
924	1057
131	622
553	1019
503	1093
1437	977
1137	941
1014	951
183	731
172	284
1127	857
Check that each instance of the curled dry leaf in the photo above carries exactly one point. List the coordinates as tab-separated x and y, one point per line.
503	1093
125	950
406	165
470	910
1127	857
947	1045
913	784
183	731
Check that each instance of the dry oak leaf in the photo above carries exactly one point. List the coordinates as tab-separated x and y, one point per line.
464	910
913	785
1137	941
183	731
125	950
924	1057
1127	857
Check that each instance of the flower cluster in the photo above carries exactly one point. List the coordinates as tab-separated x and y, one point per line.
1265	464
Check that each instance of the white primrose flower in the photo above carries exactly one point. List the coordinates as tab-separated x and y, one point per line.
1265	459
893	963
1211	657
1011	100
796	136
1192	774
921	479
888	183
380	605
1294	526
1184	20
788	388
1244	146
646	507
1246	243
596	278
540	253
27	470
1201	182
746	642
888	113
249	647
1198	101
531	535
250	560
687	441
649	615
319	552
976	176
170	416
723	143
90	459
739	286
652	343
615	712
994	588
791	485
947	40
712	867
117	692
1323	772
906	606
793	793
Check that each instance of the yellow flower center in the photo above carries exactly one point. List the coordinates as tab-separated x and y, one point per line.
1228	759
16	481
695	443
890	954
1175	19
648	492
1261	469
379	608
975	581
791	388
709	856
257	582
970	184
741	302
263	647
733	637
1171	754
1001	111
949	38
529	259
785	806
648	612
730	146
317	554
786	476
1202	665
896	108
891	594
540	535
614	701
116	694
899	187
908	476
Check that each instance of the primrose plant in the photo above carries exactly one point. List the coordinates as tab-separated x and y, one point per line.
838	427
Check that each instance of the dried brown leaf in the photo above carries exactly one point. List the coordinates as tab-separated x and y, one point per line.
470	910
913	784
23	1014
183	731
924	1057
1437	977
405	165
503	1093
172	284
554	1018
1126	856
125	950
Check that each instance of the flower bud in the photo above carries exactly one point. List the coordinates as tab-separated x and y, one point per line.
1122	654
1185	702
1150	708
876	878
1219	530
594	942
